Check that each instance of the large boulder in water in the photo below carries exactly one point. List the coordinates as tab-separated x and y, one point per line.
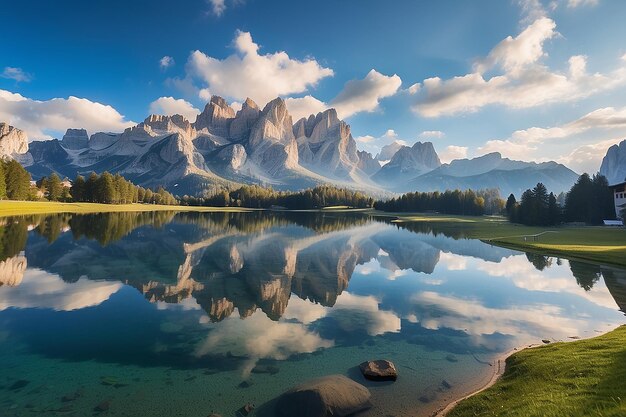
379	370
333	395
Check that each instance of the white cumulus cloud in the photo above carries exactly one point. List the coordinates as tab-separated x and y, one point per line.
453	152
521	80
357	96
249	73
170	106
365	94
304	106
41	118
593	133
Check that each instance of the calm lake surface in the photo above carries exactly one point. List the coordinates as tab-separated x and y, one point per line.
165	314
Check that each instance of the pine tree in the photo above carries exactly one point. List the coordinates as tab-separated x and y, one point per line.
53	187
3	183
78	189
17	181
91	192
553	210
105	189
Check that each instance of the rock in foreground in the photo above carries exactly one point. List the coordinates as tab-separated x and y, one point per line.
379	370
333	395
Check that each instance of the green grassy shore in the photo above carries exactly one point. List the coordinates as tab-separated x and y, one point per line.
16	208
581	378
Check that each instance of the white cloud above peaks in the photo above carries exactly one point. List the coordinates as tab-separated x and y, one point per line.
249	73
580	143
514	54
365	95
453	152
38	118
513	75
359	95
170	106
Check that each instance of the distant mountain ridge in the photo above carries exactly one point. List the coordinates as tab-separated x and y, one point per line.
264	146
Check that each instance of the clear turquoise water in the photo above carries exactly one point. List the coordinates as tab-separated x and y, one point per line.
186	314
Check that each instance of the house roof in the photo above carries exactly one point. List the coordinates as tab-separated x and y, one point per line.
617	185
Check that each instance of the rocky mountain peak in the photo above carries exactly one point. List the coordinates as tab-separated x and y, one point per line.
75	139
276	111
13	141
614	163
367	163
326	145
169	124
272	143
409	162
216	117
244	120
388	151
249	103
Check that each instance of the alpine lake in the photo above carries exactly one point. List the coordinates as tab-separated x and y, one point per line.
188	314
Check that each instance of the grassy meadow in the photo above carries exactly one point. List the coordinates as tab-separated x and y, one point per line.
17	208
580	378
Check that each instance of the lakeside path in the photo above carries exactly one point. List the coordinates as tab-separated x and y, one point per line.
598	244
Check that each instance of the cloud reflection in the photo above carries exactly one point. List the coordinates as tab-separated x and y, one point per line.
40	289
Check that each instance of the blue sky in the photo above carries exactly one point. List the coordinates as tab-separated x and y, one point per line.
534	80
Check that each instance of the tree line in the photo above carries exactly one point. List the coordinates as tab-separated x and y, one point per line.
115	189
15	184
255	196
468	202
14	181
590	201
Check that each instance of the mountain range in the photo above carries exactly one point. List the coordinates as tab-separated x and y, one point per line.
264	146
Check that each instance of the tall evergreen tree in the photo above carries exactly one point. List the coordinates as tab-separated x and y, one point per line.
53	187
105	189
554	215
3	183
17	181
510	204
78	188
91	185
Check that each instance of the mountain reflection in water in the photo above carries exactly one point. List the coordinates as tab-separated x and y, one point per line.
316	291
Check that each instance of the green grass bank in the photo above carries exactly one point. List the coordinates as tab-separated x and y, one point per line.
580	378
16	208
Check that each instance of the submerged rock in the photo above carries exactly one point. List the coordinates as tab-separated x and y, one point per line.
265	369
103	406
19	384
245	384
451	358
333	395
379	370
245	410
